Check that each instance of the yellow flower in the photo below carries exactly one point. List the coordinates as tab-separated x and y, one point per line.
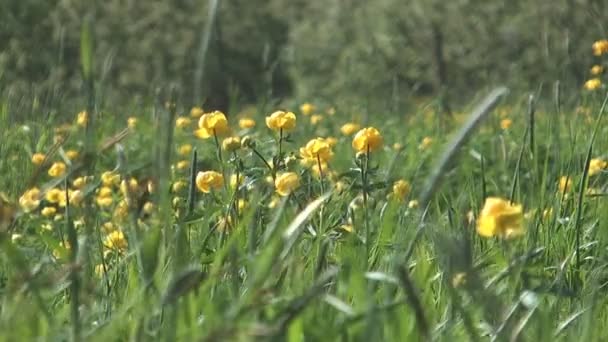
412	204
129	187
178	186
104	191
82	119
148	208
48	211
182	165
30	200
246	123
212	124
315	119
565	184
506	123
116	241
315	150
231	144
397	146
347	227
331	111
110	178
597	165
459	279
332	141
593	84
234	182
104	202
132	122
196	112
600	47
367	139
72	154
286	183
426	143
184	150
208	180
182	122
500	218
57	169
596	70
38	158
55	196
350	128
307	108
401	189
281	120
76	197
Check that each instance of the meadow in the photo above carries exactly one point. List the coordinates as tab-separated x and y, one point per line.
299	219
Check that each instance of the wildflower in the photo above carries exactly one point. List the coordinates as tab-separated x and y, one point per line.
459	279
597	165
57	169
506	123
129	187
332	141
55	196
76	197
593	84
148	208
331	111
30	200
62	251
208	180
596	70
82	119
367	139
231	144
350	128
242	204
104	202
347	227
182	165
397	146
182	122
426	143
247	142
316	119
235	182
184	150
122	210
212	124
246	123
600	47
48	211
274	202
100	270
565	184
281	120
72	154
110	178
401	189
80	182
412	204
500	218
196	112
316	150
286	183
104	191
178	186
38	158
307	108
132	122
116	241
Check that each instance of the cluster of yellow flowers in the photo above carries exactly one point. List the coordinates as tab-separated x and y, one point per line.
600	48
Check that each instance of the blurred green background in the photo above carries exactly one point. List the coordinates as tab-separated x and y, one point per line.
374	53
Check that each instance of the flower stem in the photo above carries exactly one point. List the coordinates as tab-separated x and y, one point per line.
364	183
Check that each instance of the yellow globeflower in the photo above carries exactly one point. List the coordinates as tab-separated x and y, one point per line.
116	241
110	178
30	200
500	218
596	70
182	165
401	189
57	169
367	139
231	144
315	119
426	143
38	158
208	180
76	197
307	108
565	184
350	128
182	122
597	165
246	123
281	120
234	182
82	119
72	154
506	123
593	84
212	124
48	211
600	47
315	150
196	112
132	122
184	150
286	183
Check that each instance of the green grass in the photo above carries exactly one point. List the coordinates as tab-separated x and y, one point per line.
291	271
